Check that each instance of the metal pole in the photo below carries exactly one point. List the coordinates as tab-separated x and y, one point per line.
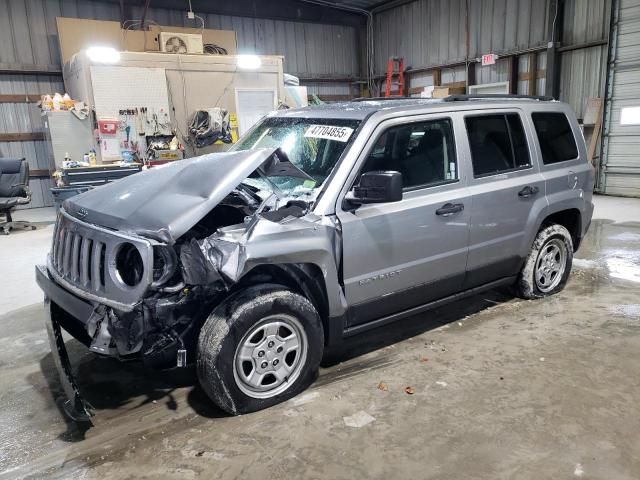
608	95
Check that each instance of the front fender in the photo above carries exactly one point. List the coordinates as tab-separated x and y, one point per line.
297	241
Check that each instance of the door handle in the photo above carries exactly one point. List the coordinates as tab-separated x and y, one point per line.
528	191
449	209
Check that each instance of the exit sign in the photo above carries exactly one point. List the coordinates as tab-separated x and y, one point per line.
489	59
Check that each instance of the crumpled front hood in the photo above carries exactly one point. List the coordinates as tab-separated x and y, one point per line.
166	202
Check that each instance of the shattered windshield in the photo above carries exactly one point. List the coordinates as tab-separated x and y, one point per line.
312	145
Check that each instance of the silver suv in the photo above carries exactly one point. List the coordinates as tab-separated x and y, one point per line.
319	224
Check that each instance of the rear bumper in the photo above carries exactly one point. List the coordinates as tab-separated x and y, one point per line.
587	214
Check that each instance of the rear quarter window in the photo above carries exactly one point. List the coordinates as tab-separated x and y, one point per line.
497	142
557	142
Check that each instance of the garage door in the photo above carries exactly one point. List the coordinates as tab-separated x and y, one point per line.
620	171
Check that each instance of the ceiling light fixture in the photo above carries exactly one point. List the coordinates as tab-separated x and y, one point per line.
103	54
249	62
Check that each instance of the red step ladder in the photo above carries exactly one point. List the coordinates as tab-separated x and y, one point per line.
395	74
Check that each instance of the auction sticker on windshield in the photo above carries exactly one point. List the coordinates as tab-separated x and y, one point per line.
339	134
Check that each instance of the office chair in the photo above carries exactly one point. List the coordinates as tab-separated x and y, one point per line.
14	191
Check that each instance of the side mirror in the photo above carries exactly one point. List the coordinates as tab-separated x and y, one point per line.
377	187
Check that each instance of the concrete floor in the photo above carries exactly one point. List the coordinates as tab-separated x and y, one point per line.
19	253
502	388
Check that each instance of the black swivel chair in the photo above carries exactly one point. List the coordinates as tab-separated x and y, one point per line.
14	191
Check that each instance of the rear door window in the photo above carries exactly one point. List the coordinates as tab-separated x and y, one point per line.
557	142
498	143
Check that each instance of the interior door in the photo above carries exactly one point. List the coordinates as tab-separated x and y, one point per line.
506	185
403	254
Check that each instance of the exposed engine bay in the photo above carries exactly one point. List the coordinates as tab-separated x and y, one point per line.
205	264
249	227
139	265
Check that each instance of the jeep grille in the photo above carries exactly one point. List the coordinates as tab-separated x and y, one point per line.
84	258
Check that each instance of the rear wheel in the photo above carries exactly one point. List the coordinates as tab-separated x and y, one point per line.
548	265
259	348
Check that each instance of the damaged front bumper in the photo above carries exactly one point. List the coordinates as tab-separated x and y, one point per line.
75	406
158	331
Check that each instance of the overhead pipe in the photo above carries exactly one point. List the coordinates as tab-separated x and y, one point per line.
383	6
144	14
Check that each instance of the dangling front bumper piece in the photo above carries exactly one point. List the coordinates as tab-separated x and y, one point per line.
75	406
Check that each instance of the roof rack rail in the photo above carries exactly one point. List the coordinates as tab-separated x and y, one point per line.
462	98
377	99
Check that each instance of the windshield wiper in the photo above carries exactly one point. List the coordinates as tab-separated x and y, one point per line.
274	188
279	165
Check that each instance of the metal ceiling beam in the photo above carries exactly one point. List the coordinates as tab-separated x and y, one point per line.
555	23
293	10
388	4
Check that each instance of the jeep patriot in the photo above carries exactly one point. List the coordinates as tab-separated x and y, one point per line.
319	224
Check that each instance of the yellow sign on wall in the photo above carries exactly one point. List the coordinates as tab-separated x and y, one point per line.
233	126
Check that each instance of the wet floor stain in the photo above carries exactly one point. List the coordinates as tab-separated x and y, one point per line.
505	383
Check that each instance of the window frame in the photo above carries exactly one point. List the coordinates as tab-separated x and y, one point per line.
424	186
489	113
537	138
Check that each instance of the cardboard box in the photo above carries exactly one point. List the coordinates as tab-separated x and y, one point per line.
442	92
75	34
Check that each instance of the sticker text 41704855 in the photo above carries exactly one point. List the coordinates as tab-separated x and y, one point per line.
328	132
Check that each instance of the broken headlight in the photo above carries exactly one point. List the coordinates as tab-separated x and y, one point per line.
164	264
129	264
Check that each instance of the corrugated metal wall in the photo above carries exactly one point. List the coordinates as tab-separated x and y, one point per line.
28	35
502	25
432	32
429	33
583	72
424	32
25	118
29	29
620	170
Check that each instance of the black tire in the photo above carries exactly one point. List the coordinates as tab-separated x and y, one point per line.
227	326
550	236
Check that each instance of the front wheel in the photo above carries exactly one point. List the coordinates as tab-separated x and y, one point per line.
548	265
259	348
